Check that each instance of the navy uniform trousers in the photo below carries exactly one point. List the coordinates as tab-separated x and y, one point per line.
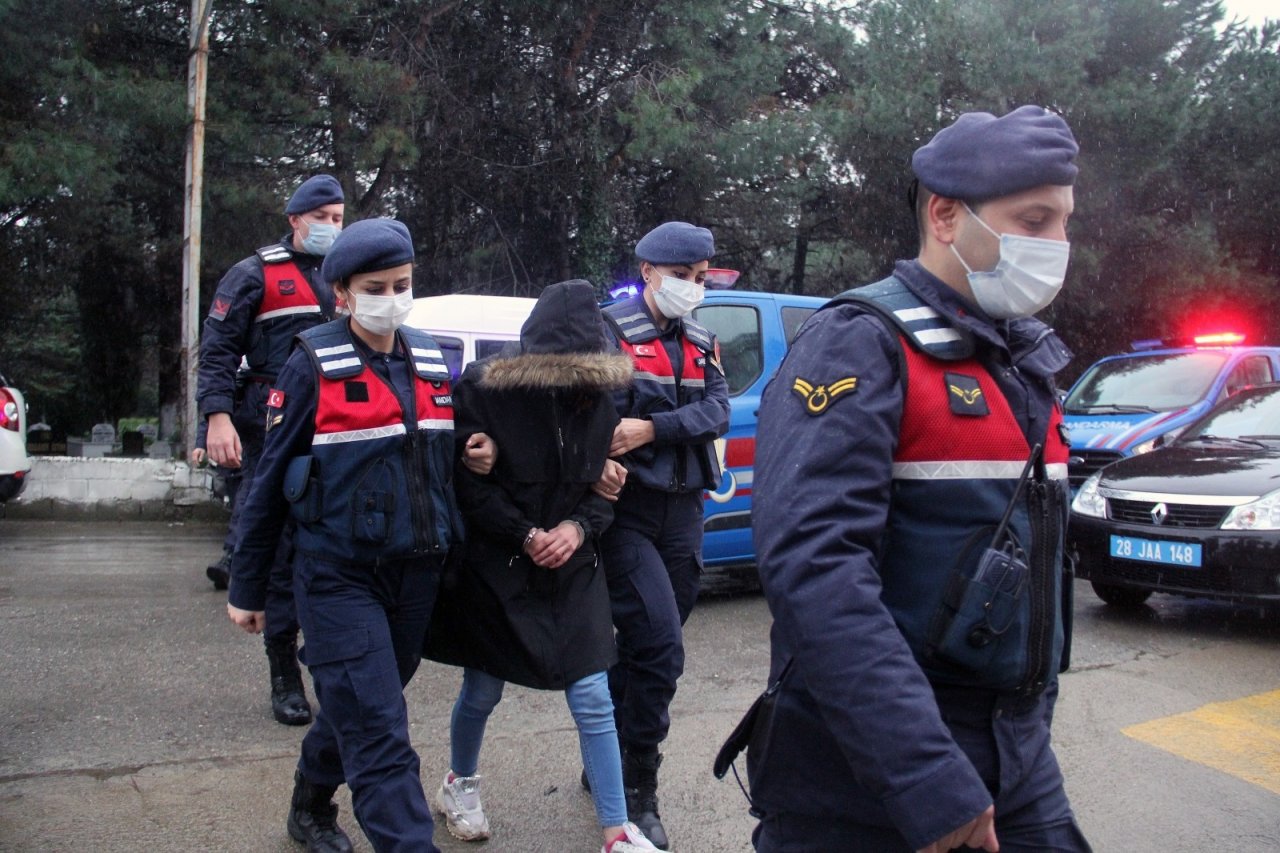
250	423
1009	747
364	626
653	562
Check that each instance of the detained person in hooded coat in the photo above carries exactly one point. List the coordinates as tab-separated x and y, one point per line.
547	405
529	603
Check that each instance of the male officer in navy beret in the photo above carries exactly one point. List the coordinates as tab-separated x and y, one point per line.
671	415
260	305
918	640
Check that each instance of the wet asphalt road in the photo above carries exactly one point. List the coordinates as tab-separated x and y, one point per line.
133	715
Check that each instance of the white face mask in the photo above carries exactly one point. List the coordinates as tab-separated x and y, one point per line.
381	315
677	298
1026	279
320	236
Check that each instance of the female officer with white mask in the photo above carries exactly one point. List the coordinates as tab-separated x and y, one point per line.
674	409
359	450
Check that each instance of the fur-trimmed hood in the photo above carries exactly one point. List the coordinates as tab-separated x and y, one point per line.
578	371
562	347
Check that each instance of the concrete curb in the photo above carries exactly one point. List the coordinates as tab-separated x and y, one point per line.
106	488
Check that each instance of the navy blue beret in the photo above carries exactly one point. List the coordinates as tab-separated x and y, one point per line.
367	246
316	191
676	243
983	157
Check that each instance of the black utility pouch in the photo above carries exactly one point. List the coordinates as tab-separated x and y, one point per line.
977	612
752	731
302	488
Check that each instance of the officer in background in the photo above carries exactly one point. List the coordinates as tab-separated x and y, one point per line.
675	408
918	642
260	305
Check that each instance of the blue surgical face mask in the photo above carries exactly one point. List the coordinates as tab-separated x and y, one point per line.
320	236
1025	280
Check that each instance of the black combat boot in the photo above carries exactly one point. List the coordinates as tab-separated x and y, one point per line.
220	572
313	818
288	698
640	784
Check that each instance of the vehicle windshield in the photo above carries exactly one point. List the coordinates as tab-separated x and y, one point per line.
1252	417
1154	383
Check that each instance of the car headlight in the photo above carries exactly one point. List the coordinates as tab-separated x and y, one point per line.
1262	514
1087	500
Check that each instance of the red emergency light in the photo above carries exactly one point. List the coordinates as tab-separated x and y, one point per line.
721	279
1219	339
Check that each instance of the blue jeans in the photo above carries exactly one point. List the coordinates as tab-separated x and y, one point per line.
592	710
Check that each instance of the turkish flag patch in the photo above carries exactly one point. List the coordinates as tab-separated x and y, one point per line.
275	400
646	350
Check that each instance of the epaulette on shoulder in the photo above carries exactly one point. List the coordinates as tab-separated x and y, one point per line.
629	322
925	328
274	254
332	350
699	335
426	355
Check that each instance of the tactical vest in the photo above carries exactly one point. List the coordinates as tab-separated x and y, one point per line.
289	306
655	388
377	485
956	468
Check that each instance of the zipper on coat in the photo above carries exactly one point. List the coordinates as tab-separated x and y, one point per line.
1040	631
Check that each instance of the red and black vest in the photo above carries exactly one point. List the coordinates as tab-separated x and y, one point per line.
956	468
656	387
290	306
378	482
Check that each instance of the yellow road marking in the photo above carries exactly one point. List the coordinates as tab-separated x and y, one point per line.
1241	737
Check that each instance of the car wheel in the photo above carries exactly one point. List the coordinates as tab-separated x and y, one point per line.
1120	596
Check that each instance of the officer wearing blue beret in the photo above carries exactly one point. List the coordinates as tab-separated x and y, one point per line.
917	639
260	304
359	452
664	457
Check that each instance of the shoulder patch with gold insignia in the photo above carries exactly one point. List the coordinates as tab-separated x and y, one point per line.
965	395
818	398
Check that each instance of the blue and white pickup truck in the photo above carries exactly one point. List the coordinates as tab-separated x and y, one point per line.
1132	403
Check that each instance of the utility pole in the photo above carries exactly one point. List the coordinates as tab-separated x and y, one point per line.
197	77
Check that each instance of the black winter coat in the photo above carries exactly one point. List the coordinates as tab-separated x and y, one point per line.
552	418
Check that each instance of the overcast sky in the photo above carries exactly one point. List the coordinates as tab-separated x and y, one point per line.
1254	11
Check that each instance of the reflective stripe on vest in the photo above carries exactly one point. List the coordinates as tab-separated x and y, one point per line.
287	291
936	443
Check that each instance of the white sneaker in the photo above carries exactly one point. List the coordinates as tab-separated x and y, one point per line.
459	802
632	840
